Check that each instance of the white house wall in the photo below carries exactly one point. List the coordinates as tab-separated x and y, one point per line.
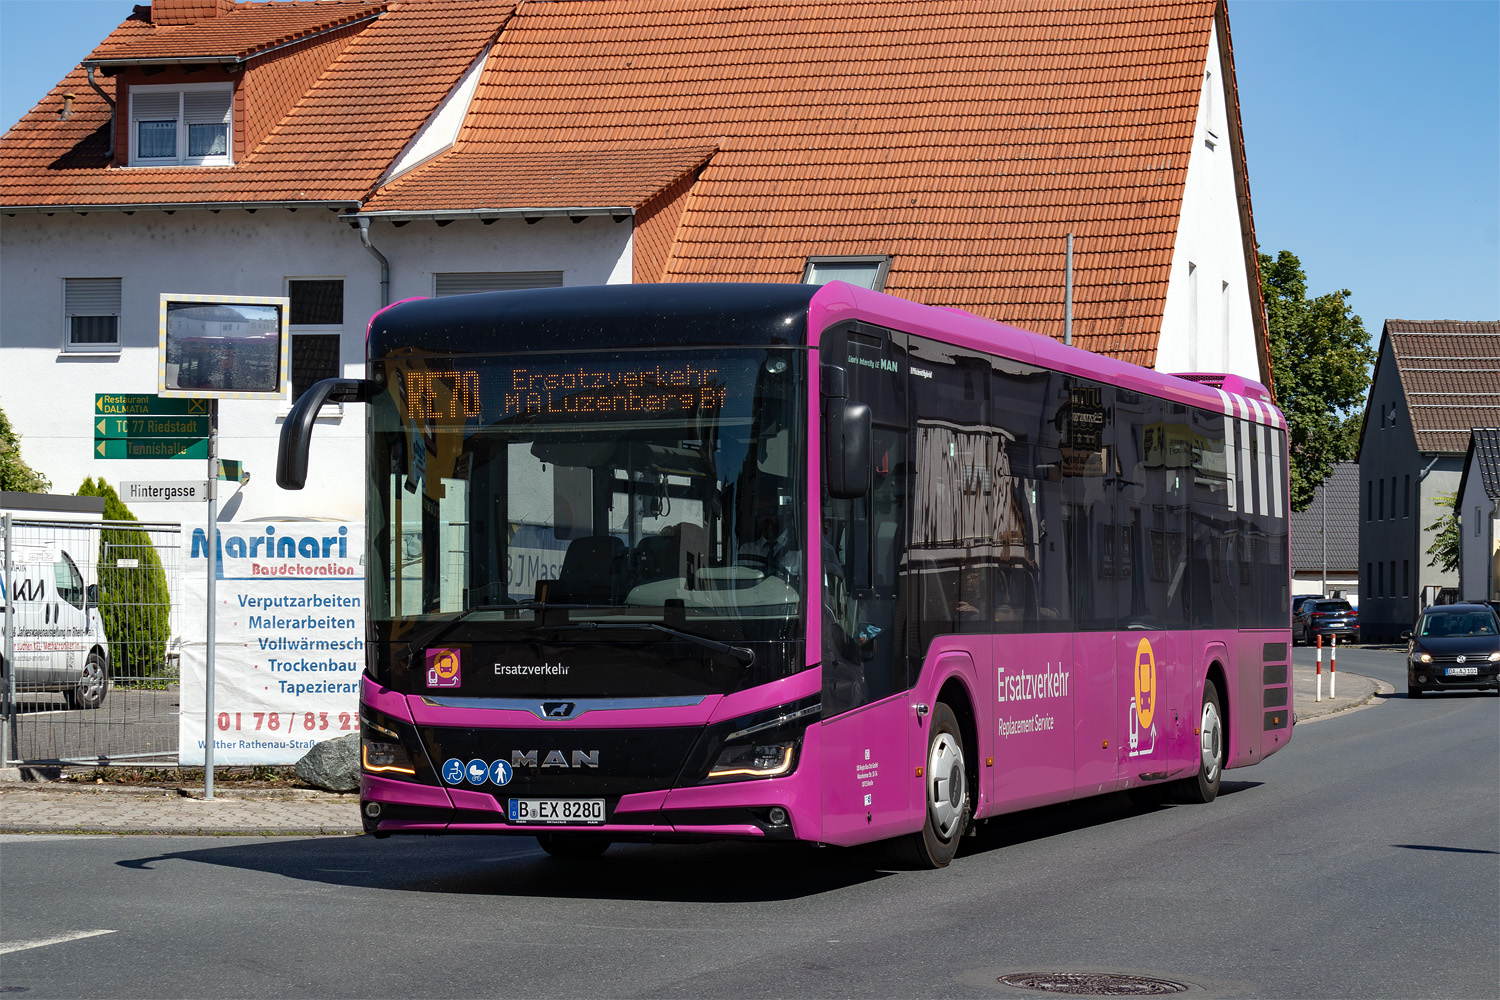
49	394
1208	324
1476	534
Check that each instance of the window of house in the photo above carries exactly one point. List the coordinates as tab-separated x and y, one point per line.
91	311
865	271
1380	579
1369	499
1476	522
1406	578
1406	497
316	324
470	282
1380	499
188	124
1370	579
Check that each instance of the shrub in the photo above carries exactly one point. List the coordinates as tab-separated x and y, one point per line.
134	601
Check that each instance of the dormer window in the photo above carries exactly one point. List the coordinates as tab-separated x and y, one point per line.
183	125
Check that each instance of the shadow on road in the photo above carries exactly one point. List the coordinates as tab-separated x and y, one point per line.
1049	821
516	866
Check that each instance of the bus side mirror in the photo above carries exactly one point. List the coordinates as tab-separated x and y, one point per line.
297	428
846	448
91	596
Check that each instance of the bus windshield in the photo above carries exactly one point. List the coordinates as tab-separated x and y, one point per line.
619	487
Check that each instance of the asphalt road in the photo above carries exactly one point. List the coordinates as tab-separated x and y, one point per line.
1362	861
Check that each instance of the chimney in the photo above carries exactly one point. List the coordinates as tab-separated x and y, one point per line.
169	12
67	108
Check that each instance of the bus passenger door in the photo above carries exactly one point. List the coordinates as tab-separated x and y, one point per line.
867	786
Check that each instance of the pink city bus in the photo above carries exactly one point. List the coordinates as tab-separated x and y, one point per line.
777	562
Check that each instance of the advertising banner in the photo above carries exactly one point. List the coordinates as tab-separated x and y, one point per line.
290	624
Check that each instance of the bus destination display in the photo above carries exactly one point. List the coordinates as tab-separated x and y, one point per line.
568	392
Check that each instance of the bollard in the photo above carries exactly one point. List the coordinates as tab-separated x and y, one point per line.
1319	669
1333	667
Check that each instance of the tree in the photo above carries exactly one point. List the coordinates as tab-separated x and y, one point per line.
15	475
1445	547
134	600
1320	359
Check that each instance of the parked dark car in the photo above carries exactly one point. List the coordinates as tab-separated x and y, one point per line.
1453	647
1333	616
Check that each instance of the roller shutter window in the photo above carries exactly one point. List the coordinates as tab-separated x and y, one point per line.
92	310
471	282
188	126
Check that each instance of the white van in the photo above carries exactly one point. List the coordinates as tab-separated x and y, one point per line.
57	634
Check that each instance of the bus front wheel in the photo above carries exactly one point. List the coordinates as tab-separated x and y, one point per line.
1204	786
949	803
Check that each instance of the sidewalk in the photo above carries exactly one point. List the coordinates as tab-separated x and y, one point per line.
1354	690
32	807
49	807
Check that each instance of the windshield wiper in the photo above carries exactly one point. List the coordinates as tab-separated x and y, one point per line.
744	657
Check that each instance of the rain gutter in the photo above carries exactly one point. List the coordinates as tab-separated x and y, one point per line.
182	206
577	213
109	154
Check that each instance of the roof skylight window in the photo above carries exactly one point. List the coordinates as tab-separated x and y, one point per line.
868	271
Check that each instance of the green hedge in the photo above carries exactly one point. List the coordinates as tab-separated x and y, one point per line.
134	601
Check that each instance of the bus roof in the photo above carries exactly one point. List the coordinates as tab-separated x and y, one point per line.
757	314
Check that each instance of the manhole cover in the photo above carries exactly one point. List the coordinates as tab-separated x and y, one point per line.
1093	984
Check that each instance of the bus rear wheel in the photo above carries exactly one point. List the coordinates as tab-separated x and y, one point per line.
1204	786
949	803
560	845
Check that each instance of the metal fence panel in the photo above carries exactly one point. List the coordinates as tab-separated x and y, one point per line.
94	631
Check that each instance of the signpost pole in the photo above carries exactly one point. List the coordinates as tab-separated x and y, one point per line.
9	740
213	571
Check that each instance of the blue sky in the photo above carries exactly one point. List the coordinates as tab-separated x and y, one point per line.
1372	133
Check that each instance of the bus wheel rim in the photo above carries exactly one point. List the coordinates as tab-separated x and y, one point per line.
1212	741
946	785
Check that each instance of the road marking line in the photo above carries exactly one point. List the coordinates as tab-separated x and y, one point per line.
6	949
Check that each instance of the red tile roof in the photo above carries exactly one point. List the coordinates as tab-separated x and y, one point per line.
965	139
333	146
474	179
239	34
1450	375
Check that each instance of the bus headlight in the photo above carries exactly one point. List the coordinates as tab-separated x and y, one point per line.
761	760
763	745
386	758
381	751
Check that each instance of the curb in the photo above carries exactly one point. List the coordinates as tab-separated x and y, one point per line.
1382	689
160	791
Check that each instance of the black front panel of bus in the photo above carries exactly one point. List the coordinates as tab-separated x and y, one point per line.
593	318
604	667
567	762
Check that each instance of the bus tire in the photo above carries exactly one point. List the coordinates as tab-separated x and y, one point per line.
1203	787
947	797
560	845
92	684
